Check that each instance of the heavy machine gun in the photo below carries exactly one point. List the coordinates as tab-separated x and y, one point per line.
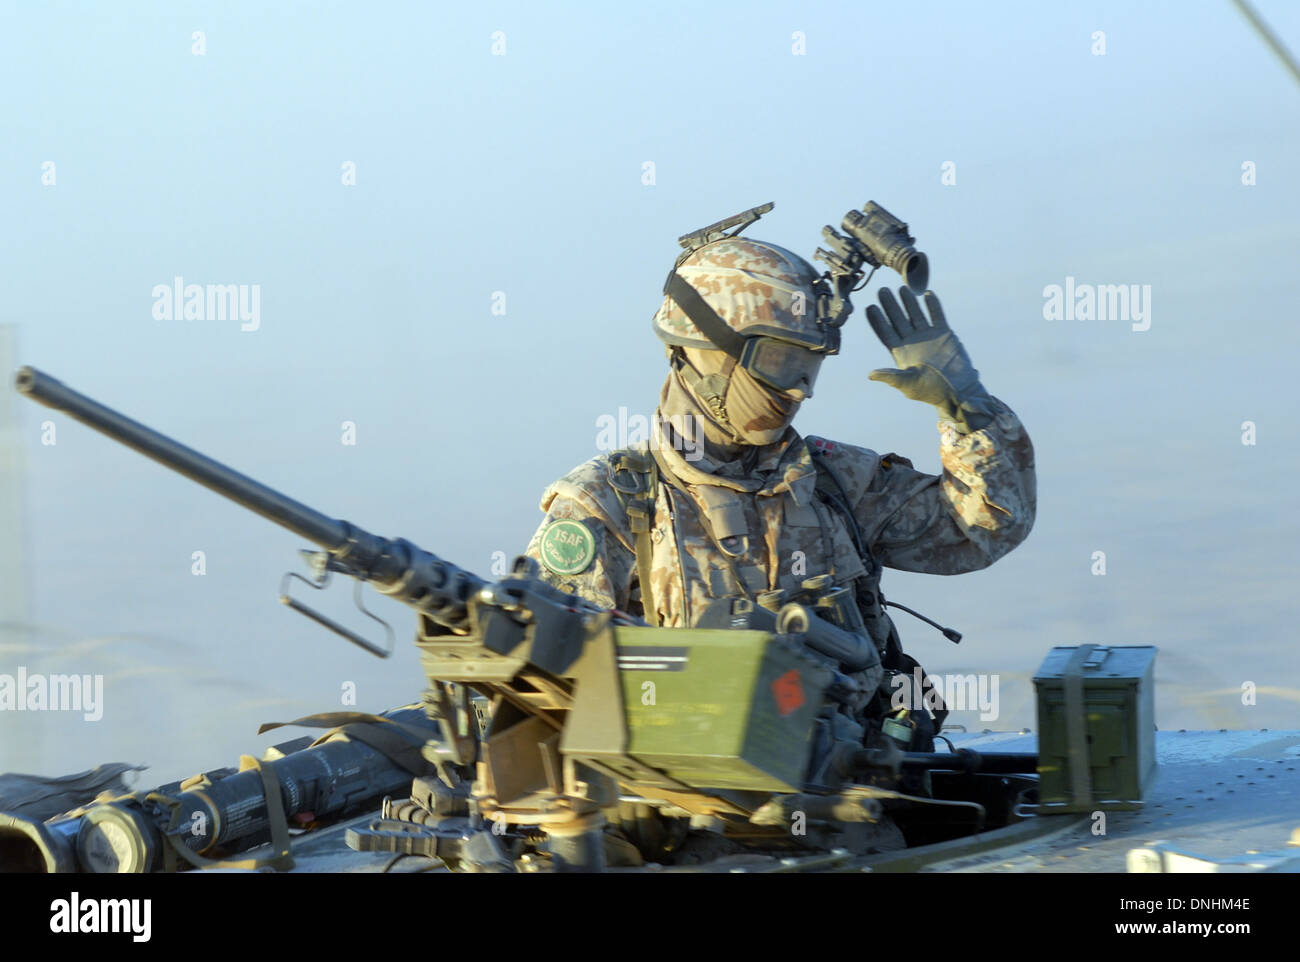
596	740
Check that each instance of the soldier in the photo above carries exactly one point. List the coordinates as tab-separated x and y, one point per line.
727	500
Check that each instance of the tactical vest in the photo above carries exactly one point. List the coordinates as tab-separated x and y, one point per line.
635	477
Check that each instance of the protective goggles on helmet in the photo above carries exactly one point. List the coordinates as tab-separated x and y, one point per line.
779	362
780	365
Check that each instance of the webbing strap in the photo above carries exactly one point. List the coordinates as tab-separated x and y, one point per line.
640	513
391	745
704	317
640	517
398	742
1076	726
281	858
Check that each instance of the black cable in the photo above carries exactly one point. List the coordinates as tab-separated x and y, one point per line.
950	634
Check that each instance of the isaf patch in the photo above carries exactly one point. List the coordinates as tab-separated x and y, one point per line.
566	547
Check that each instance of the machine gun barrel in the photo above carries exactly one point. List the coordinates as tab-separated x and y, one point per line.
253	495
397	567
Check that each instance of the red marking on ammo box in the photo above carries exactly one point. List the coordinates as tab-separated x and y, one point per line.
788	691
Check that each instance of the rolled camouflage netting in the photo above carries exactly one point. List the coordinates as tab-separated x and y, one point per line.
39	797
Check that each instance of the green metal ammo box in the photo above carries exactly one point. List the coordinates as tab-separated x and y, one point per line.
720	708
1096	727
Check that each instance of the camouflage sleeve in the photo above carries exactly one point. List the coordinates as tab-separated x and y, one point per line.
976	511
606	580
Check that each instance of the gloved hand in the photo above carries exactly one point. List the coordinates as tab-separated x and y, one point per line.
935	367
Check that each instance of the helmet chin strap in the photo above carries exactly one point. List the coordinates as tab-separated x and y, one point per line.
710	390
766	414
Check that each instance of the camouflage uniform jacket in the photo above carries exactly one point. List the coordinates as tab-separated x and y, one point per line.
977	510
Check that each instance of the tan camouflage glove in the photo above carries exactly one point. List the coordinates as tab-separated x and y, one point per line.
934	366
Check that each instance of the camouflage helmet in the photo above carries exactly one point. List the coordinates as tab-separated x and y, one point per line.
757	288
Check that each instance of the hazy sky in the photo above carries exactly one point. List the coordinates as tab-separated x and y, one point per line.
515	164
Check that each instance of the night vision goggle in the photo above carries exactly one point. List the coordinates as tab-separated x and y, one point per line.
783	360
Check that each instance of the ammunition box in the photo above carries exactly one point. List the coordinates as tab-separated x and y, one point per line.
1096	727
720	708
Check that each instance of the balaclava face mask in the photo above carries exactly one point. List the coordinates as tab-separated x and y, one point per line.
758	415
752	414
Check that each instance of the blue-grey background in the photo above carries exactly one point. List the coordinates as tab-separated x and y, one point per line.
524	174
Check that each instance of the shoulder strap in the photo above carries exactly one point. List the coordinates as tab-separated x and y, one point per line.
634	477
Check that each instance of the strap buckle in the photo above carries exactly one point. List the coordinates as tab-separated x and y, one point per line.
625	472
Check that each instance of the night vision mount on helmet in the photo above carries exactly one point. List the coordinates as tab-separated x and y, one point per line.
767	308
